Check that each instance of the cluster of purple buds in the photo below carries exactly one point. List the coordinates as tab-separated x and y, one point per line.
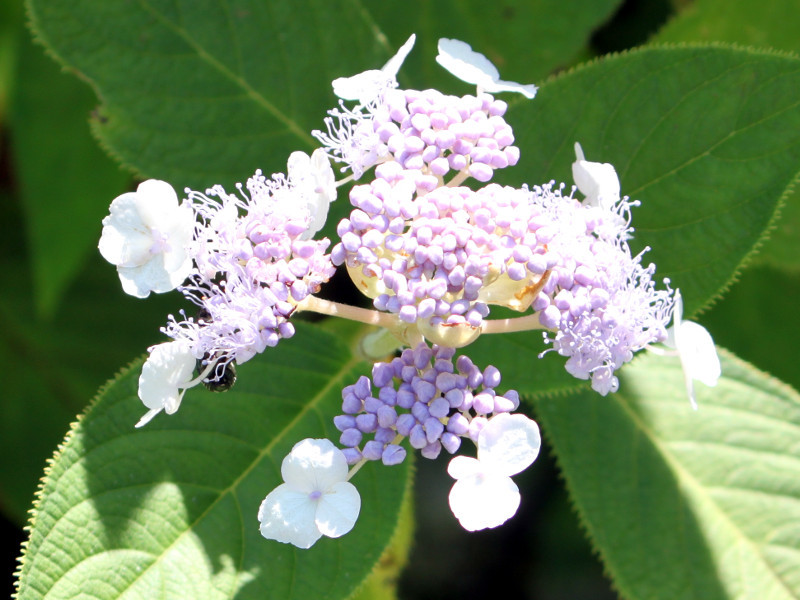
439	259
426	131
420	395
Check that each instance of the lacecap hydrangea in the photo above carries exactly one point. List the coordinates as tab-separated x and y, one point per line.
433	255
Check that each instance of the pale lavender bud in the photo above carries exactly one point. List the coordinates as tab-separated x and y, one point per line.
393	455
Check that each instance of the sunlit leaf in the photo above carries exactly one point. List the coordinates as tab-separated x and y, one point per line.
170	509
682	503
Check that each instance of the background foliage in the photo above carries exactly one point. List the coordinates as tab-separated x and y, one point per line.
205	92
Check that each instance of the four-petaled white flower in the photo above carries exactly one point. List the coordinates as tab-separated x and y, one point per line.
166	375
312	178
146	235
597	181
484	495
316	498
473	67
695	348
368	85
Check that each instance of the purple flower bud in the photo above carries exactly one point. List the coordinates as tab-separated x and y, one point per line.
439	407
353	455
417	437
405	423
458	424
482	403
451	442
367	422
433	429
387	416
371	404
351	404
431	451
393	455
491	377
342	422
362	388
350	437
372	450
388	395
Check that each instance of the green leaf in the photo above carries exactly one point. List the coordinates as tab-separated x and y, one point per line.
708	138
208	92
764	23
170	510
683	503
10	29
767	23
65	181
757	320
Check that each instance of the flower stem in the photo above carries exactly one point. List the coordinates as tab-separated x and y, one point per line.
526	323
354	313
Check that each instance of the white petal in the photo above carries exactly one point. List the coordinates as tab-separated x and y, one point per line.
148	416
287	516
470	66
463	466
337	509
698	353
484	501
147	235
152	277
313	179
509	443
314	465
168	368
695	348
597	181
363	87
157	202
473	67
392	67
125	240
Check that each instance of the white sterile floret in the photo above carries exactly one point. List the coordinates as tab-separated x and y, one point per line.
316	498
368	85
312	178
696	350
473	67
166	375
484	495
146	235
597	181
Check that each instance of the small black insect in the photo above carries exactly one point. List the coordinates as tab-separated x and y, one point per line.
221	378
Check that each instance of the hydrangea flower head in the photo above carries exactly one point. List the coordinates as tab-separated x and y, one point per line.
473	67
166	374
484	495
696	350
147	235
315	498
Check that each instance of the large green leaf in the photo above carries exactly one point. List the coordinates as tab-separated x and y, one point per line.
762	23
682	503
170	510
206	92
